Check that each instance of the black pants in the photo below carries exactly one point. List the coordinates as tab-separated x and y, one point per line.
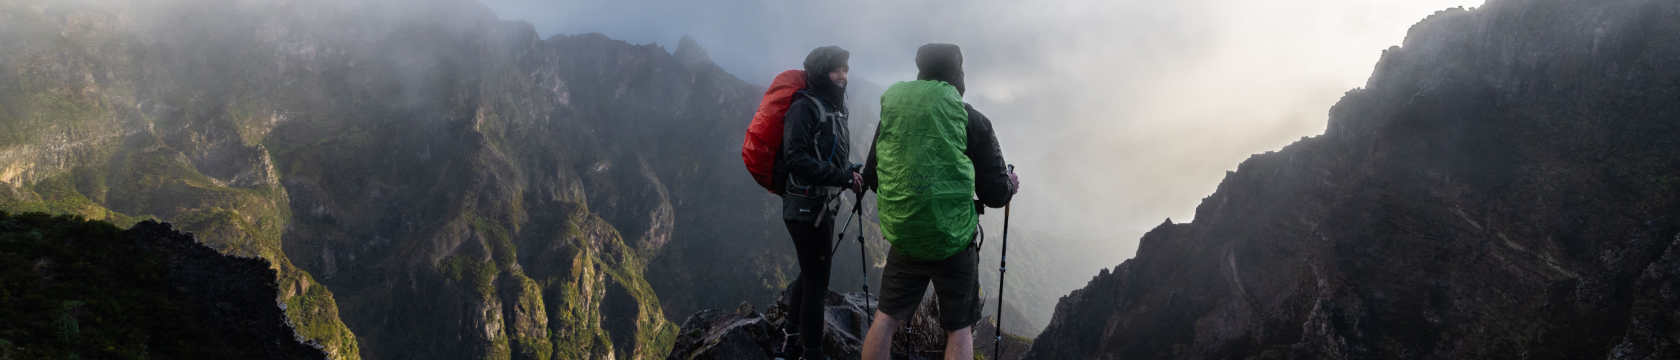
806	293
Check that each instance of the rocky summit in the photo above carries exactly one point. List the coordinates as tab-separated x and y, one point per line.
744	333
1506	185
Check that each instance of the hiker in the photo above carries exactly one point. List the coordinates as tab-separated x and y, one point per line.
932	155
814	156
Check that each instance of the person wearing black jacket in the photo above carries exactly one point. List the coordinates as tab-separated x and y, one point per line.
813	169
955	279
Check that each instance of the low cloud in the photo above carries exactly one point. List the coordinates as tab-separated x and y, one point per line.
1119	113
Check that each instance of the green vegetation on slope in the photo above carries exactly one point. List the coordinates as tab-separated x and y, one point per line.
563	315
76	138
236	221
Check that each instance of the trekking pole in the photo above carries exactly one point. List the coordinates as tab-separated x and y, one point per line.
863	260
1003	259
842	238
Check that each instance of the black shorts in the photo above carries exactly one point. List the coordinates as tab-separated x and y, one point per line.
955	279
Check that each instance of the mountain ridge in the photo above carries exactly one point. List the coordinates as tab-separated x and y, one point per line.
1499	189
77	287
448	175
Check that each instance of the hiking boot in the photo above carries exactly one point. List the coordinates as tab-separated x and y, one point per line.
815	353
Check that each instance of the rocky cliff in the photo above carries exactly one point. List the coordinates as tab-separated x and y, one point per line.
123	114
1505	186
76	288
465	188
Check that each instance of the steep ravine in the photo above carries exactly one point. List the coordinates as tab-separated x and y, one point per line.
1506	185
465	188
101	119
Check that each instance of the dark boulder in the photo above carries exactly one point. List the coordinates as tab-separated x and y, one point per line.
724	334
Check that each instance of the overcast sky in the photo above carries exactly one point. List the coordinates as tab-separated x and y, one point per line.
1118	113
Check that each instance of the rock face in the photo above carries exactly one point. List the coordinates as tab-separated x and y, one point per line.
80	288
465	188
720	334
746	334
845	322
1505	186
235	295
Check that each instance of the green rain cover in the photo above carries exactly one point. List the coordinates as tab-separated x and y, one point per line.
926	190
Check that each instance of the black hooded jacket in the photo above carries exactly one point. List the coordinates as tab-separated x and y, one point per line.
815	161
943	62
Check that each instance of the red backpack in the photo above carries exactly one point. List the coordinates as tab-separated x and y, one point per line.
764	136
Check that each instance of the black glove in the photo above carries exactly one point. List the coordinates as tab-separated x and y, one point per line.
857	178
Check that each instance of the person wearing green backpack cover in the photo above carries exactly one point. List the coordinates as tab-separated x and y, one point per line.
933	155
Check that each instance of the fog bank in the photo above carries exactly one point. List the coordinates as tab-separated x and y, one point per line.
1119	114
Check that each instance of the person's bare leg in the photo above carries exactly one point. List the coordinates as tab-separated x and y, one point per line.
959	345
877	345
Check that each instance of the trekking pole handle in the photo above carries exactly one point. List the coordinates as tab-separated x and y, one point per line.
1003	262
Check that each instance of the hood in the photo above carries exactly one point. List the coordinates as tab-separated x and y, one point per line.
941	62
817	66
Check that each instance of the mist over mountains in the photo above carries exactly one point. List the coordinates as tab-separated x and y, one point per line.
464	187
429	181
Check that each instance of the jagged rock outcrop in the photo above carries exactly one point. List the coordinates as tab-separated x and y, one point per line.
744	333
845	322
1503	187
234	295
722	334
78	288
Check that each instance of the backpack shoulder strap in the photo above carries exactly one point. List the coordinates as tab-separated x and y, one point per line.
823	115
